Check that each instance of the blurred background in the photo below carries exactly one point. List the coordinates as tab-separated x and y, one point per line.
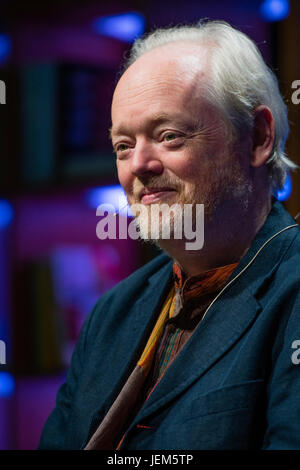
58	66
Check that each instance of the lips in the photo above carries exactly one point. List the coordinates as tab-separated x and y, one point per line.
151	195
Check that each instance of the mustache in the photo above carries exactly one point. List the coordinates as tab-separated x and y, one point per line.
154	182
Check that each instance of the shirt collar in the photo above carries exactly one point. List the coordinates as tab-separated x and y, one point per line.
204	283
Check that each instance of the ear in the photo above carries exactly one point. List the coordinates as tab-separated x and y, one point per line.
263	136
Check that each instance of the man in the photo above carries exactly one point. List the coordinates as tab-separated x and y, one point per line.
197	349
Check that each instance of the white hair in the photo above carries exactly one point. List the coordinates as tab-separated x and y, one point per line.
240	81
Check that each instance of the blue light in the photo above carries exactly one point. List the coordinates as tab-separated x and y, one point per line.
125	26
6	213
113	195
5	47
275	10
284	193
7	384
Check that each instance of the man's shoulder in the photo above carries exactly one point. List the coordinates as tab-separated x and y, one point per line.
290	263
282	261
275	249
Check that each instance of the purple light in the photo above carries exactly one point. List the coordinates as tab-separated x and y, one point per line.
7	384
125	26
5	47
274	10
113	195
6	213
284	193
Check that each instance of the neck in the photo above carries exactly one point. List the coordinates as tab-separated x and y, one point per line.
226	240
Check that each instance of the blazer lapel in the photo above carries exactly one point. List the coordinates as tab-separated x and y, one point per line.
136	328
212	338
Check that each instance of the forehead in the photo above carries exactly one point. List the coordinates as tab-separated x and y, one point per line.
164	82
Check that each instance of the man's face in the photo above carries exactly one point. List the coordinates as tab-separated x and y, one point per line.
171	143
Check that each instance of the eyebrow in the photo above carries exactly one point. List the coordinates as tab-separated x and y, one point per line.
154	121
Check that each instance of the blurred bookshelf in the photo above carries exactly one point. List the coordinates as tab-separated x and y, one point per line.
54	128
54	141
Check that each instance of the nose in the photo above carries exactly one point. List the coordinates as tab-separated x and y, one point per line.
145	159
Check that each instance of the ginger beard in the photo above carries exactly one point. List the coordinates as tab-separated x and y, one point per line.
226	185
153	225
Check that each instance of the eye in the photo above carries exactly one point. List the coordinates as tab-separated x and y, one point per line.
170	136
121	147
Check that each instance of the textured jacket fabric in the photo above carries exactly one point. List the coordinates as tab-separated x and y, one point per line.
235	384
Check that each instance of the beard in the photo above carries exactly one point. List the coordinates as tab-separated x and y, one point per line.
154	222
227	187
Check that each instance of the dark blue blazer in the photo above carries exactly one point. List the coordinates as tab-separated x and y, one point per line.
236	383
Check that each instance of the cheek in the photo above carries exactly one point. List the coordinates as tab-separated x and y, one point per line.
205	162
191	167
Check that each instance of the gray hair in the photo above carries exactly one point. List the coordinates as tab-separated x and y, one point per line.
240	81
